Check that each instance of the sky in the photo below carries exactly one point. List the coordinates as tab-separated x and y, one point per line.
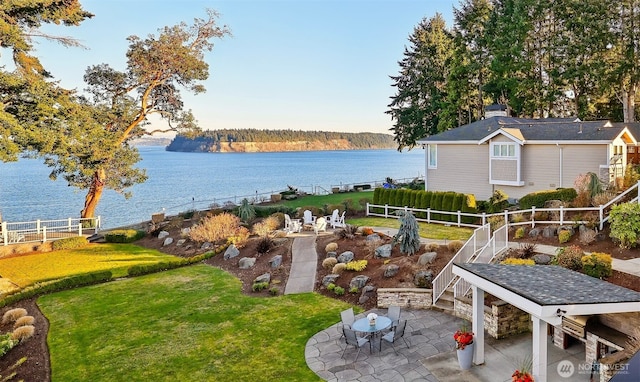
289	64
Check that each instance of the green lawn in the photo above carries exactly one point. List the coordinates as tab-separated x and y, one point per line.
187	324
430	231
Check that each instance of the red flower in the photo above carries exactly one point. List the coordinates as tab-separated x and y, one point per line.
521	376
463	338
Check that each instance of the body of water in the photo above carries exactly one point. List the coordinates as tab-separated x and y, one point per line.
179	182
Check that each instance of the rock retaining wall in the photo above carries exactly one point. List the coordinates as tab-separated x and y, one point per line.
414	298
500	320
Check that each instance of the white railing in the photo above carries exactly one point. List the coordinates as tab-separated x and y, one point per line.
46	230
478	240
457	220
498	243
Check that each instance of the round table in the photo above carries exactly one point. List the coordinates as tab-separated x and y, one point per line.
362	325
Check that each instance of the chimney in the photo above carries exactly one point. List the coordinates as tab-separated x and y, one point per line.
495	110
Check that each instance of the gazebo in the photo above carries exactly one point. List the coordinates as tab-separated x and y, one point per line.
547	293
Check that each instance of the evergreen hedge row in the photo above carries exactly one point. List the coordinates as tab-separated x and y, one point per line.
539	198
436	200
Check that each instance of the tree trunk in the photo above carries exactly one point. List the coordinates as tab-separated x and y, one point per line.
628	104
93	195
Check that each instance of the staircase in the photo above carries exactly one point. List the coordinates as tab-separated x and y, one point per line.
445	302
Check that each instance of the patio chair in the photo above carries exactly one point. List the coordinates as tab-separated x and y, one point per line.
394	315
348	318
320	225
395	335
291	225
351	338
308	218
335	220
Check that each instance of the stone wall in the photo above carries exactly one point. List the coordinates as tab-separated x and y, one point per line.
500	320
414	298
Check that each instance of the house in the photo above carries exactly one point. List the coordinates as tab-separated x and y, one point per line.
519	156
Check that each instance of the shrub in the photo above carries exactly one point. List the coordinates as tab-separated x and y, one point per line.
339	268
432	247
602	198
274	291
539	198
455	245
348	232
625	224
366	231
597	265
240	238
519	234
329	262
123	236
514	261
246	211
69	243
261	229
264	245
216	228
22	333
357	265
257	287
587	236
331	247
495	221
354	289
570	257
12	315
25	320
331	286
564	236
338	290
6	343
408	234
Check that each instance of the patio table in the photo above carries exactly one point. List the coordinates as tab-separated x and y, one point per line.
362	325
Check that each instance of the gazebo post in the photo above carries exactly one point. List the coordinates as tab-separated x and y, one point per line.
539	363
478	324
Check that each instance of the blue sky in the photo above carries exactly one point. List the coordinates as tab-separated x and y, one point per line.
302	65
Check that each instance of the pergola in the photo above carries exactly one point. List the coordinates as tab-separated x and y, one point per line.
547	293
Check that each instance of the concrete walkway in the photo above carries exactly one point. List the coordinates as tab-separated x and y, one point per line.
302	276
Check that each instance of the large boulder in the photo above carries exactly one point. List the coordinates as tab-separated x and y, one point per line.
163	234
275	261
391	270
383	251
246	262
358	281
263	278
346	257
549	231
231	252
427	258
423	279
328	279
167	241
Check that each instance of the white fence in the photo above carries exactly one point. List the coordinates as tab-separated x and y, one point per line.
46	230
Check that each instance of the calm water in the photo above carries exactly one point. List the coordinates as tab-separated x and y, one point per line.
182	181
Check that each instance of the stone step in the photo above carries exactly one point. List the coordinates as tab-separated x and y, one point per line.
444	306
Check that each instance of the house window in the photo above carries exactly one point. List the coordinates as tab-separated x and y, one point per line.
504	150
433	156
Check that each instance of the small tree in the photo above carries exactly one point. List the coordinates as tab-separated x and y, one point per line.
409	233
246	211
625	224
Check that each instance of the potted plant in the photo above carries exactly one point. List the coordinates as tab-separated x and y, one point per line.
523	372
464	347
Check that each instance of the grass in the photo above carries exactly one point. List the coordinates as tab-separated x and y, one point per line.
191	323
35	267
330	199
430	231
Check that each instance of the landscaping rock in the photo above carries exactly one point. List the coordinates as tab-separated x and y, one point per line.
423	279
346	257
263	278
383	251
358	281
549	231
368	289
542	259
180	242
566	228
185	231
391	270
246	262
373	237
163	234
332	254
275	261
427	258
534	232
363	299
206	246
328	279
231	252
167	241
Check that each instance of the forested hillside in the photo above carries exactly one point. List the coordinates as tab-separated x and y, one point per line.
254	140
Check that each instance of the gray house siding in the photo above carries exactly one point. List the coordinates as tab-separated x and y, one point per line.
461	168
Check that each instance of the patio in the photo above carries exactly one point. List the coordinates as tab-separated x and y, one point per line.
430	357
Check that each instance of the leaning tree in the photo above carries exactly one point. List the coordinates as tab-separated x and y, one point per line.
97	155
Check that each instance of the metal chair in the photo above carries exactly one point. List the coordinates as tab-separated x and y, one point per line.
348	318
394	315
394	335
353	339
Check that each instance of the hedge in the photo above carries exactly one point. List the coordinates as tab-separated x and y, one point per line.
539	198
